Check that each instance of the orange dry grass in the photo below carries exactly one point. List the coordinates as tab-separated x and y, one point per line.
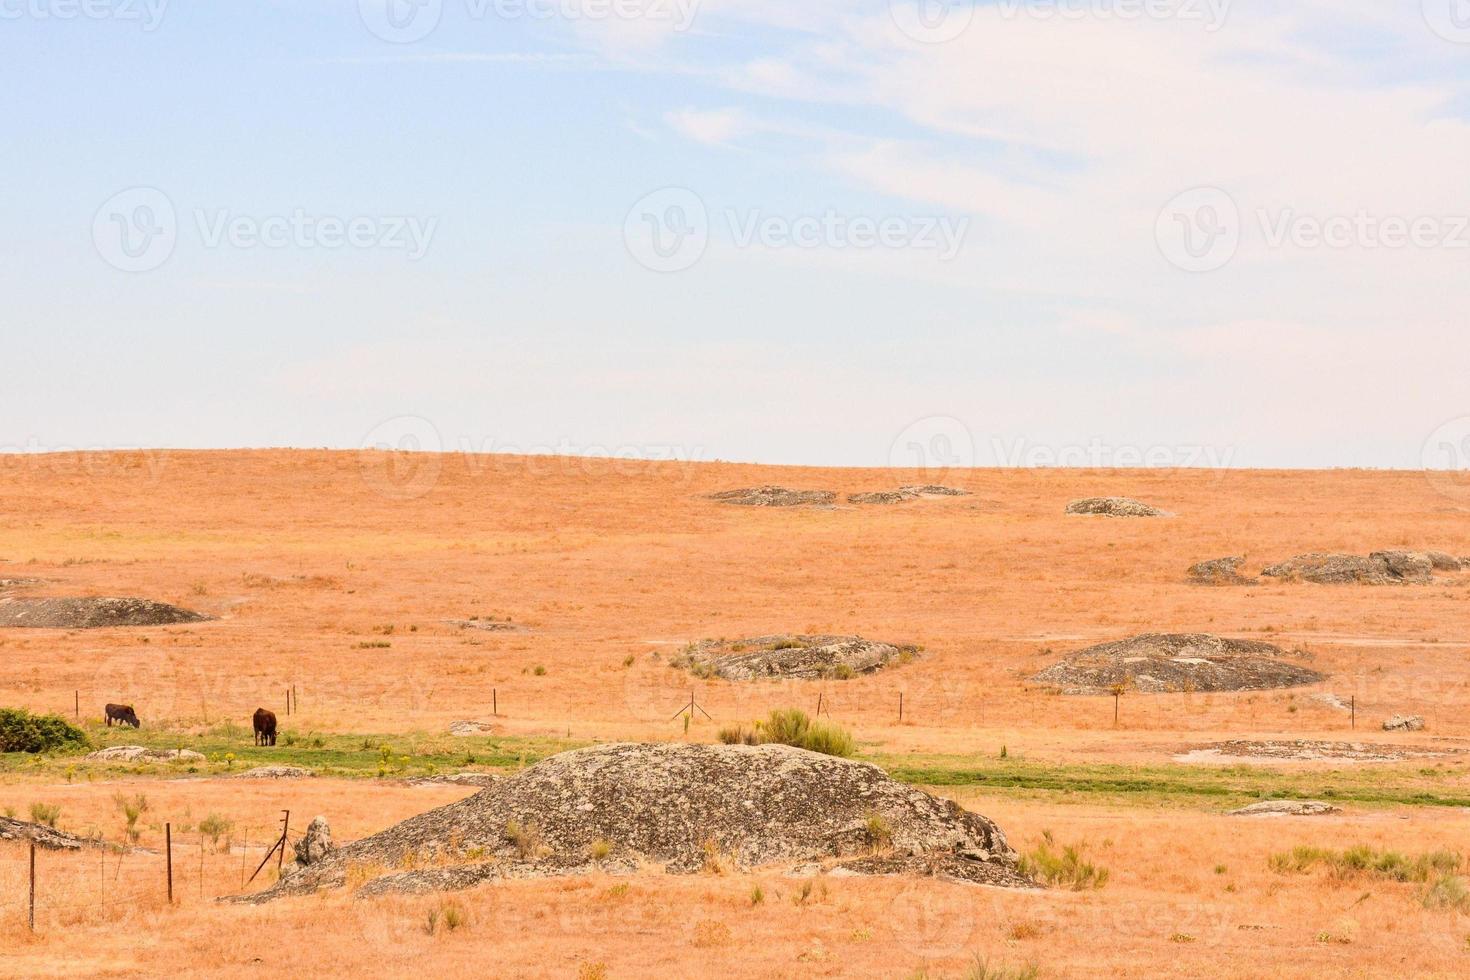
307	555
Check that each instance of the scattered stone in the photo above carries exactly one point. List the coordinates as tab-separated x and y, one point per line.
44	837
1299	750
1379	568
1443	562
91	613
10	584
488	625
480	779
934	490
1404	723
783	655
1288	808
882	497
771	496
1220	571
316	846
469	729
1114	507
138	753
686	807
276	772
1159	663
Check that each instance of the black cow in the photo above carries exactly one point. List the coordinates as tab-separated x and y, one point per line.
265	727
123	714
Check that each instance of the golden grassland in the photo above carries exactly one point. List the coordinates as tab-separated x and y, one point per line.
335	574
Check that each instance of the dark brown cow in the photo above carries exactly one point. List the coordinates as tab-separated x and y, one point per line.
123	714
265	727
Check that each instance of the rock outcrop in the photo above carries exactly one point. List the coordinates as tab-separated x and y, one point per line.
1159	663
1404	723
91	613
1114	507
804	657
316	845
688	808
1286	808
1219	571
772	496
139	753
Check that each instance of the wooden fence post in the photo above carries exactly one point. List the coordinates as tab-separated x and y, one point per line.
32	916
900	707
168	843
494	703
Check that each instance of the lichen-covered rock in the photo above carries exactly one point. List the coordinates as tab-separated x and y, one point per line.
934	490
276	772
1219	571
804	657
1443	562
1158	663
1404	723
1379	568
1286	808
1113	507
685	807
91	613
316	845
44	837
773	496
882	497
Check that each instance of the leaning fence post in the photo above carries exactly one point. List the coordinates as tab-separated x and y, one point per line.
168	844
494	703
900	707
32	917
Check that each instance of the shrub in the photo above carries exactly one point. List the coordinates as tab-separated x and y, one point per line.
738	735
214	827
1447	892
880	834
21	731
791	726
1363	861
1062	867
526	838
981	970
45	813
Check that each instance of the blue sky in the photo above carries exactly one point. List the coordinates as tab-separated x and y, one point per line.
1170	234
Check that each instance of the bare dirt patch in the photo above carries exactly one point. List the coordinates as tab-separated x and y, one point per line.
689	808
783	655
1158	663
774	496
1114	507
91	613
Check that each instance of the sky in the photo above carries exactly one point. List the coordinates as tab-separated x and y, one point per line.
867	233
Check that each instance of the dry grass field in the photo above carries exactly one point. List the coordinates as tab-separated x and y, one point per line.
342	575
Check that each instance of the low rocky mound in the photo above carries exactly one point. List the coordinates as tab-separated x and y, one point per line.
139	753
882	497
686	807
1300	750
44	837
934	490
1286	808
455	779
91	613
1379	568
10	584
770	496
804	657
1114	507
1159	663
1220	571
276	772
488	625
1404	723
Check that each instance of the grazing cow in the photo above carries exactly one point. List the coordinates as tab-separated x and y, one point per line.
265	727
123	714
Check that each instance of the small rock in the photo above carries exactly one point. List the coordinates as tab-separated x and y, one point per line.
1404	723
469	729
276	772
317	844
139	753
1291	808
1113	507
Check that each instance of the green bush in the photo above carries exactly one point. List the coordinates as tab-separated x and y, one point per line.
1062	867
791	726
21	731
